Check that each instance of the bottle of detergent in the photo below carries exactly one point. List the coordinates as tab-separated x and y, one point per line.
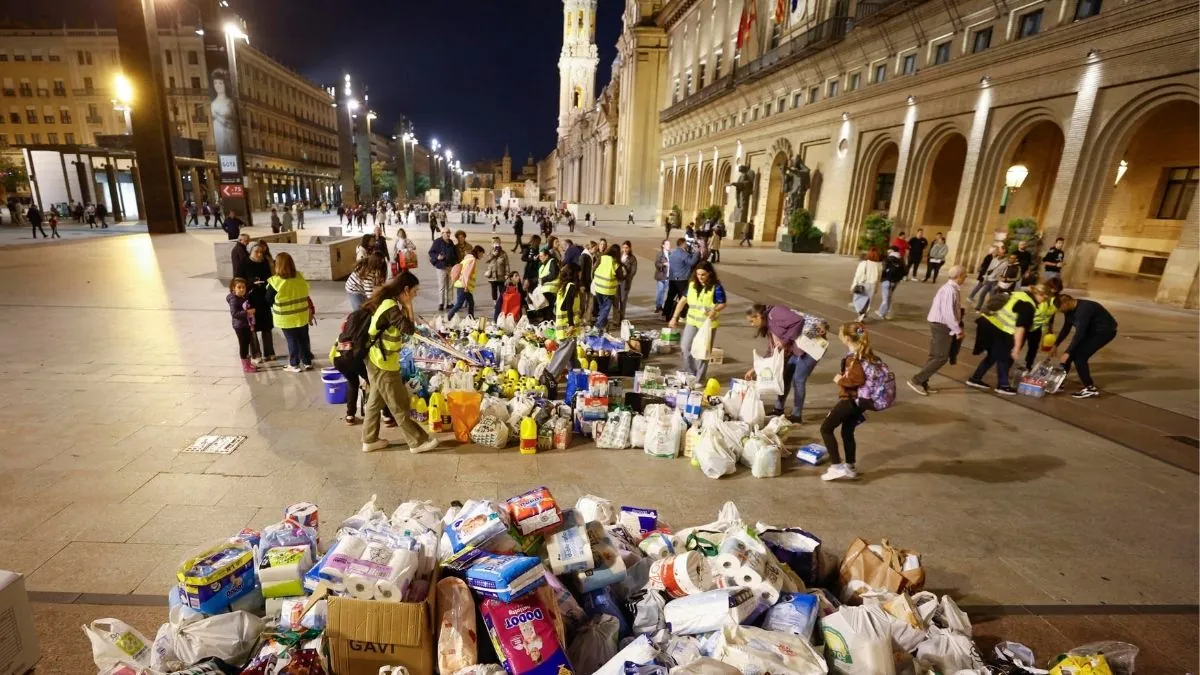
437	399
528	436
420	411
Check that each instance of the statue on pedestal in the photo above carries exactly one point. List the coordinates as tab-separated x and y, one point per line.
745	190
796	180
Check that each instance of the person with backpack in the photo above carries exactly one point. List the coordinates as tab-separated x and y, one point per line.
1003	334
349	355
894	271
782	326
393	320
464	282
292	311
864	383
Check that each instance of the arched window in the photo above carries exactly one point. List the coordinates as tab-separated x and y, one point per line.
577	98
580	22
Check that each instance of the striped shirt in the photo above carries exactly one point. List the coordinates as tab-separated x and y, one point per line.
357	284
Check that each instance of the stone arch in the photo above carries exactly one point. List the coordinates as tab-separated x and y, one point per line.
773	214
911	194
987	181
689	193
677	191
782	145
667	189
862	186
724	176
707	193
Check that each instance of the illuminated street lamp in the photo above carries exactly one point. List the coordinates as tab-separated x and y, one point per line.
123	88
1015	177
1121	169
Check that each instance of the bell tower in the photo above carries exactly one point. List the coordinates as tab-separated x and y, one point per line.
577	63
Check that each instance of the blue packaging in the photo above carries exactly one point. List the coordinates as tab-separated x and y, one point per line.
795	613
799	550
601	602
812	454
506	577
218	576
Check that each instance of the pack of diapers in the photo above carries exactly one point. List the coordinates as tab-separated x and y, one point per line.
524	637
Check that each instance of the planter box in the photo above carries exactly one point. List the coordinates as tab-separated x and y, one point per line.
799	245
320	258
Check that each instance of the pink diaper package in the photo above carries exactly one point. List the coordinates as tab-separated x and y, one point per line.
524	636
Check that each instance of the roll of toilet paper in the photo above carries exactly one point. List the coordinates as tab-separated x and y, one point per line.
681	575
304	513
346	550
403	568
377	553
766	593
360	587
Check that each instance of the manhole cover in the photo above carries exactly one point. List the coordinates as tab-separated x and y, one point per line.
215	445
1187	440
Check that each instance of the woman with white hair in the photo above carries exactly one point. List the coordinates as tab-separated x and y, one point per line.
945	326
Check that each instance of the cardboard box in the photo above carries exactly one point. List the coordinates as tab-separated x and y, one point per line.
19	650
367	634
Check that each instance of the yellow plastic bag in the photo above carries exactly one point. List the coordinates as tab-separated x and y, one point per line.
1094	664
464	412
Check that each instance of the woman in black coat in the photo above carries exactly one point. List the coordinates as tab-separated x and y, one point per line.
258	270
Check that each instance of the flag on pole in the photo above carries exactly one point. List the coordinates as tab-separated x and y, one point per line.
780	12
748	30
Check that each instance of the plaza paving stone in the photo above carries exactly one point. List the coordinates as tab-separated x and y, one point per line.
117	351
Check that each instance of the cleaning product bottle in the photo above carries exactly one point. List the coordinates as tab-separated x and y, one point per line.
420	411
435	417
528	436
436	400
712	388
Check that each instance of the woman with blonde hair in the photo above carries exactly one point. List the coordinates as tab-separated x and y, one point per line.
292	311
862	287
848	412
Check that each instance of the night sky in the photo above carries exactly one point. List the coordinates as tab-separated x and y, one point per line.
476	75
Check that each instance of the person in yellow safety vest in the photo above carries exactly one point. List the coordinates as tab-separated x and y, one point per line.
606	277
464	284
1043	320
566	303
1003	334
548	269
704	300
392	321
292	311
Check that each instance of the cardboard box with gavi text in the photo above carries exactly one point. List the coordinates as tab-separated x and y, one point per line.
366	634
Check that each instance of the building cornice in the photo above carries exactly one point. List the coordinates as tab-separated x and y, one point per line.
672	12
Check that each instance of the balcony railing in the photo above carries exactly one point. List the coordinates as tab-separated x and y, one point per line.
187	91
48	119
94	119
87	92
66	119
26	91
60	91
43	92
815	39
870	12
10	92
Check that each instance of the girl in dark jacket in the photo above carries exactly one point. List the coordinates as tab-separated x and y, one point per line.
242	314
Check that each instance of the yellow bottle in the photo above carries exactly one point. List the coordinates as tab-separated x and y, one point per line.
435	418
593	366
712	388
420	411
528	436
436	399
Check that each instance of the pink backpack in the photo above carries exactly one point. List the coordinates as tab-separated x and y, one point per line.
880	387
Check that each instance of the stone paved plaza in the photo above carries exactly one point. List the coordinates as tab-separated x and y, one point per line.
117	352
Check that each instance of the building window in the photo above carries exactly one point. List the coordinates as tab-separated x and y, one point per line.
170	82
884	183
54	57
675	94
170	61
19	139
195	83
60	87
69	139
87	84
18	56
1178	193
780	105
941	53
64	114
687	87
716	65
797	99
35	139
767	109
855	80
14	117
3	140
754	114
814	94
834	86
1086	9
52	139
1029	24
36	55
30	115
880	73
700	77
908	65
193	58
3	56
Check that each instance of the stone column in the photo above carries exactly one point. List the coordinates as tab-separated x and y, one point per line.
969	193
900	191
1178	287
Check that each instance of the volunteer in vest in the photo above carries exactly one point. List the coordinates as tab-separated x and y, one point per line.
566	303
1043	315
287	292
781	326
1094	327
464	283
605	280
548	269
704	300
392	321
1003	334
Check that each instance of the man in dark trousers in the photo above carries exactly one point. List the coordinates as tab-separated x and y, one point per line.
518	230
232	225
34	216
240	255
443	255
1052	262
916	250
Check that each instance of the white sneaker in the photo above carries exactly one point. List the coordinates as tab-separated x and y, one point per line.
428	445
377	445
292	369
838	472
307	366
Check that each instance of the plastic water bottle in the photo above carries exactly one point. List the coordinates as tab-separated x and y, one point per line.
528	436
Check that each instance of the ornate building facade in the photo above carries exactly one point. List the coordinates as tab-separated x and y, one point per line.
607	145
952	117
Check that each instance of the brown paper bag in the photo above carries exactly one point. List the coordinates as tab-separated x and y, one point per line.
882	573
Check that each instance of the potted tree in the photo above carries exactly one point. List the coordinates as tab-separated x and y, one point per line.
876	233
802	236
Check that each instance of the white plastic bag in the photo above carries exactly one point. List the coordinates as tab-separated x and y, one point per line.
948	651
115	642
732	400
229	637
754	650
752	411
702	343
615	435
664	432
858	641
705	666
768	371
457	647
768	463
715	456
637	432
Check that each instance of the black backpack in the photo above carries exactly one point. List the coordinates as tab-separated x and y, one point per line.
354	339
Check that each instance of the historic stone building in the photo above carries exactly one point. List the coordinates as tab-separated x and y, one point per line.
952	117
607	144
58	90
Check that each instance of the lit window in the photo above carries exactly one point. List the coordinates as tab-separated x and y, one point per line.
941	53
1030	24
1178	193
909	65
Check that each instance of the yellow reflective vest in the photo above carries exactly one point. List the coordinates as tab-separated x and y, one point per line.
467	269
560	310
385	352
1006	318
1042	315
290	309
699	305
604	277
544	271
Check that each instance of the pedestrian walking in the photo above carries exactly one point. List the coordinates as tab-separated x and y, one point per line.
916	251
101	214
705	299
662	277
945	327
287	222
894	271
1094	328
193	217
292	311
862	287
34	216
206	211
464	282
276	223
54	223
781	326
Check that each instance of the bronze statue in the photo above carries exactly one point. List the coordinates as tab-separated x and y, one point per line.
745	189
796	180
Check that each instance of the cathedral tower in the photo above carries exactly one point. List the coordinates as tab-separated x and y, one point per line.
577	63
